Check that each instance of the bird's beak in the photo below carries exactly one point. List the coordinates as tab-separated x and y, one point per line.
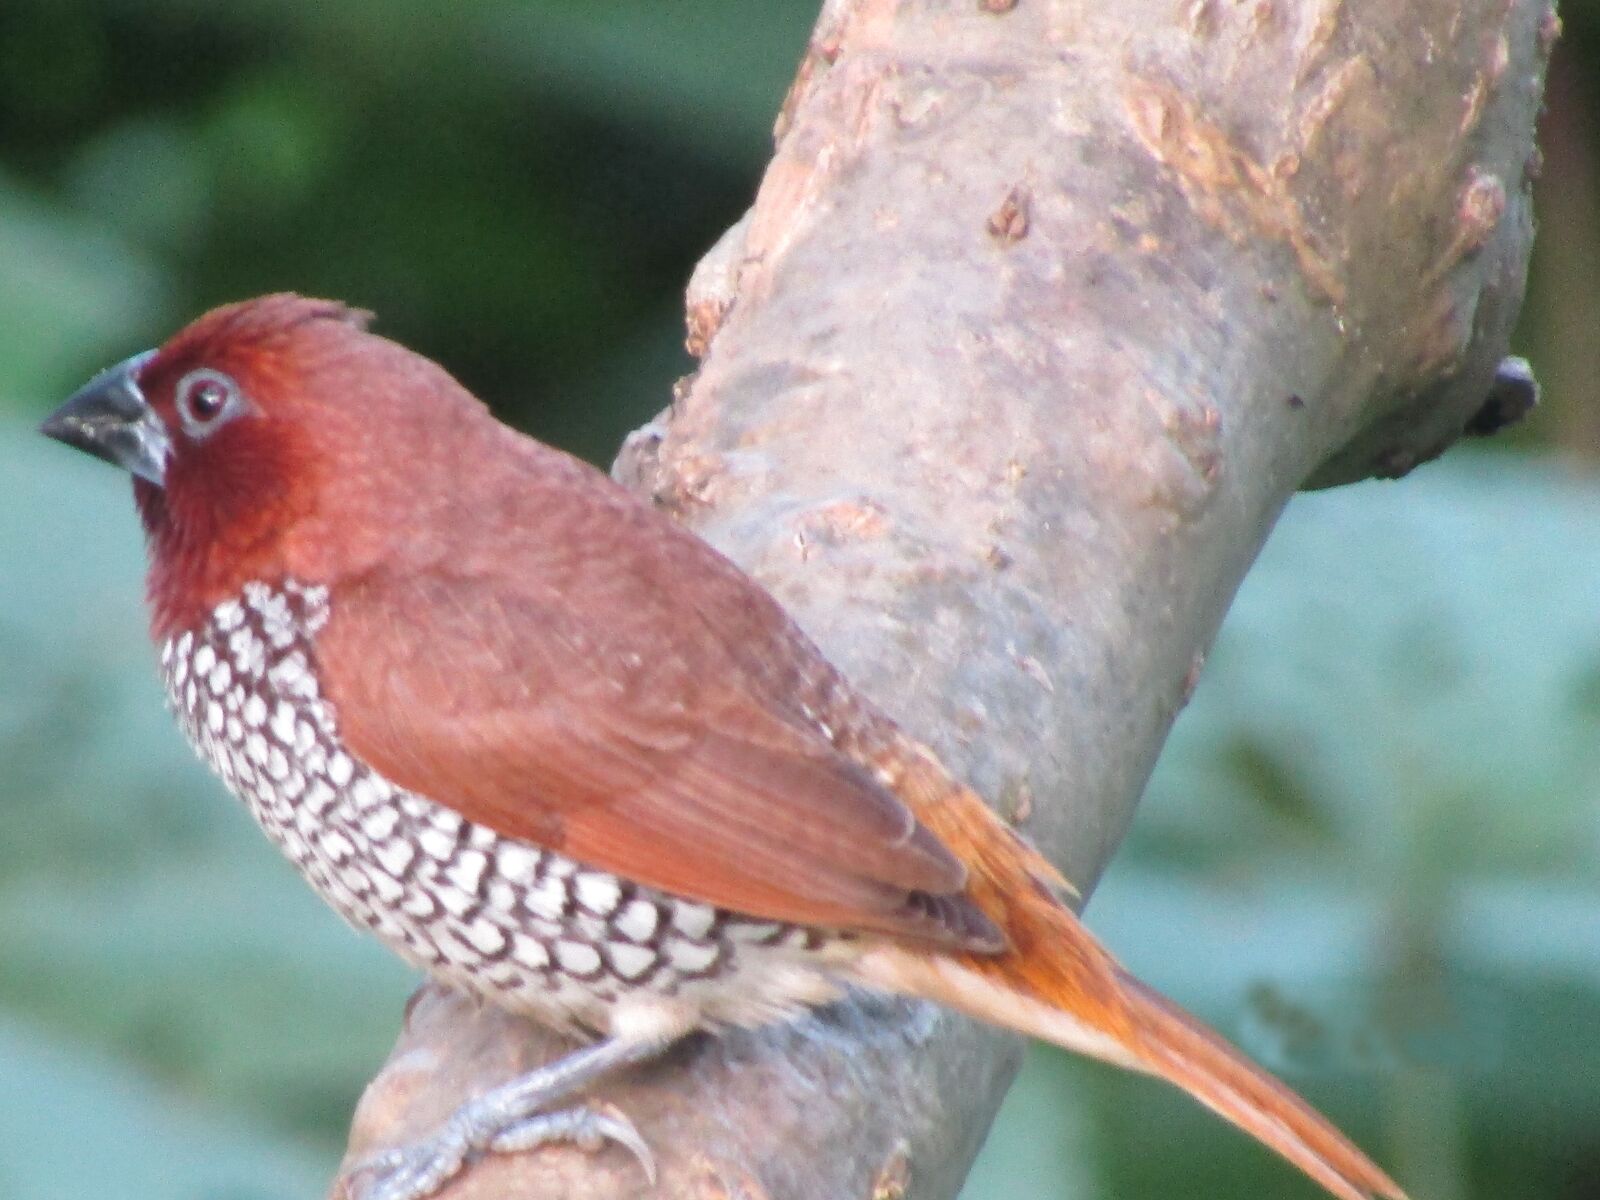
110	419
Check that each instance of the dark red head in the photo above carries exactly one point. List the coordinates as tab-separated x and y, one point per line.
270	438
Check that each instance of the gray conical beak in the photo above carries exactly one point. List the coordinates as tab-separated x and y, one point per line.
110	419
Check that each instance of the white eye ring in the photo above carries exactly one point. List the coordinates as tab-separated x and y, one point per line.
206	399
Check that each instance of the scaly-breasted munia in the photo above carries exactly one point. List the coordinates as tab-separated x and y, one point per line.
555	750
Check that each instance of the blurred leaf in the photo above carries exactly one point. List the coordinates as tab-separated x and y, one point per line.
1419	656
1041	1146
74	294
144	178
77	1125
706	72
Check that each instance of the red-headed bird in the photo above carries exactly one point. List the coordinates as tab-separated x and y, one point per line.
555	750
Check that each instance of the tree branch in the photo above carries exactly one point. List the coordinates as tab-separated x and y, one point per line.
1042	313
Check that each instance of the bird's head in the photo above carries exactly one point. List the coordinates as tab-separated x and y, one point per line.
270	438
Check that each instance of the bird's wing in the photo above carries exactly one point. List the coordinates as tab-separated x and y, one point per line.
626	708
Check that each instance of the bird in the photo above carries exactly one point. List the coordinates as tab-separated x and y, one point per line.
555	750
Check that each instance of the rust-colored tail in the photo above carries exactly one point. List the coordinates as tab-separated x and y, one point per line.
1059	984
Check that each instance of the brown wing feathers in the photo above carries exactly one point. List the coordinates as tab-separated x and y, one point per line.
580	737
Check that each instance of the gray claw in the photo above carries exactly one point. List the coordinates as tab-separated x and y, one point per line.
614	1124
588	1128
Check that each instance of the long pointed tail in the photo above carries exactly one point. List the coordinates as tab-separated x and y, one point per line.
1059	984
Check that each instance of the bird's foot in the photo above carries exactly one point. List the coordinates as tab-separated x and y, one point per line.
509	1119
418	1171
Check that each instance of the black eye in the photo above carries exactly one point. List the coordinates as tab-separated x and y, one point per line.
206	399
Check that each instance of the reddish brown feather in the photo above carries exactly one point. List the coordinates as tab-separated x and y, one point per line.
1058	983
231	501
268	333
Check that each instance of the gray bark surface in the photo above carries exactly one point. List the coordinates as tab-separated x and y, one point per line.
1042	313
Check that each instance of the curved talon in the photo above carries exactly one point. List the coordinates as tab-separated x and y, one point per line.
589	1128
617	1127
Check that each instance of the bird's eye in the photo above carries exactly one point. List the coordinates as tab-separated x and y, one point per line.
205	400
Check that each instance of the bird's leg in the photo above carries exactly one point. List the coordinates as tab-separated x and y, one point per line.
511	1118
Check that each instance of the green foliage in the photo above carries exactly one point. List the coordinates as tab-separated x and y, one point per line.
72	292
143	1142
519	189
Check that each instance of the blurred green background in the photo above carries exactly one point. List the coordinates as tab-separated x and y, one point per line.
1370	852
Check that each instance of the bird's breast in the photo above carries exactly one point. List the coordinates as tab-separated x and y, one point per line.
528	929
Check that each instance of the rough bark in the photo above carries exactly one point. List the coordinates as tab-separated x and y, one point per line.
1042	313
